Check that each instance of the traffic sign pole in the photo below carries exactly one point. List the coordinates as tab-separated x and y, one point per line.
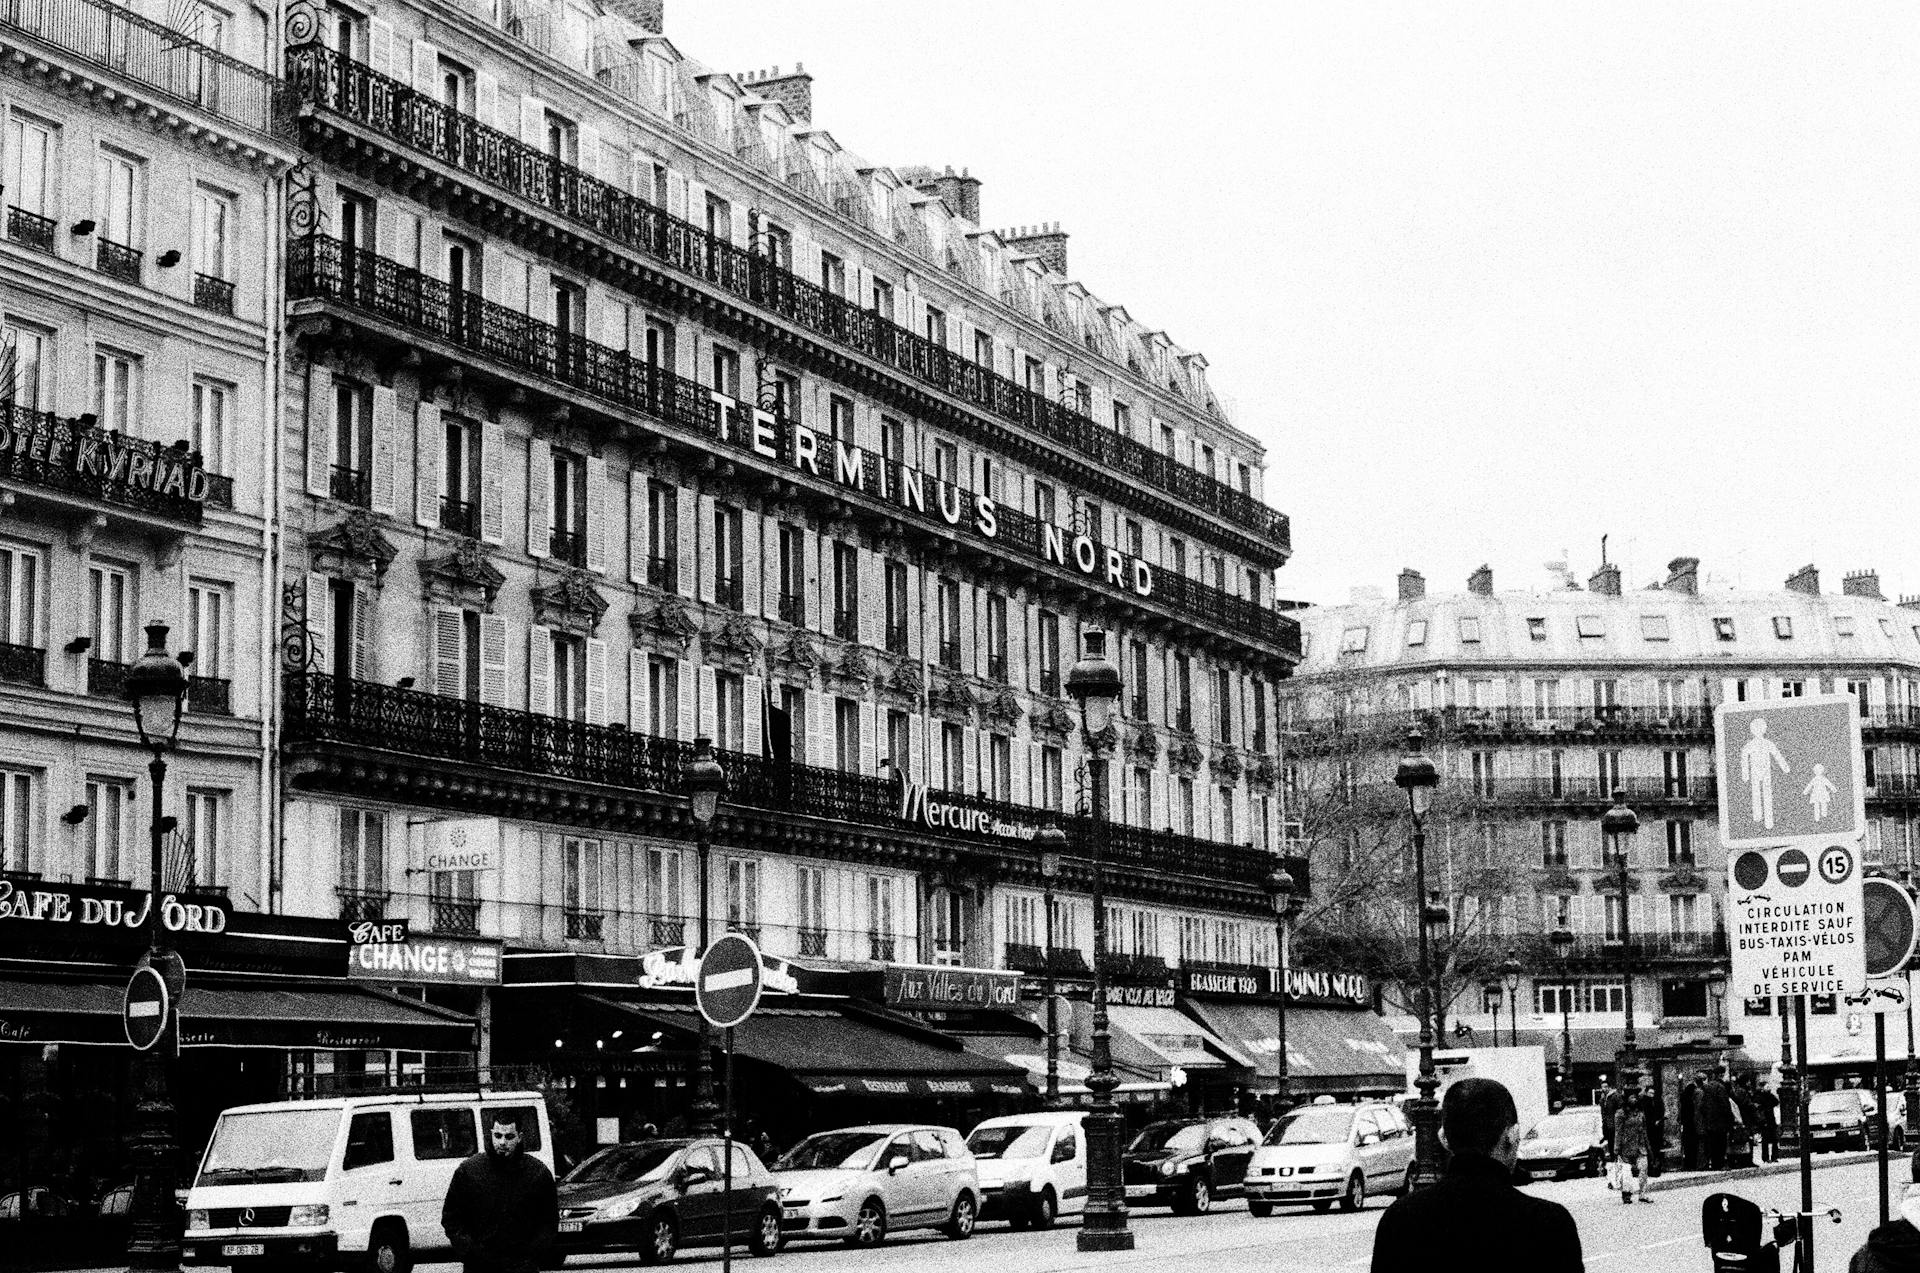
1880	1100
726	1130
1804	1260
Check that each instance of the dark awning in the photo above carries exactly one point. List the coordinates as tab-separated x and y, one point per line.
1073	1067
234	1015
1328	1049
829	1050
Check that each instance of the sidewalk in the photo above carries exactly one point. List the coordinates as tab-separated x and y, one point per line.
1897	1170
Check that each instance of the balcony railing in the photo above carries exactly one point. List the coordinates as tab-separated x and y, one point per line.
880	947
31	229
78	459
351	485
663	573
23	664
1599	947
583	925
210	695
1566	790
569	546
106	678
667	930
158	56
321	268
117	260
1528	723
813	943
460	516
213	293
793	609
727	591
357	906
458	919
417	120
846	625
320	708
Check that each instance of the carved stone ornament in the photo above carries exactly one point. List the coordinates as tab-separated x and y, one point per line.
1003	711
1264	773
854	665
1186	757
570	603
353	548
1228	766
1106	740
1143	747
797	657
463	577
735	645
665	626
1052	718
1683	879
903	683
952	700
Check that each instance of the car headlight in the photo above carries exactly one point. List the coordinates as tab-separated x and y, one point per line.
1169	1168
617	1208
197	1220
304	1217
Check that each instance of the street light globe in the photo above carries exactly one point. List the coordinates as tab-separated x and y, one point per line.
1052	841
1280	888
706	781
1416	775
157	685
1094	683
1717	983
1619	820
1510	972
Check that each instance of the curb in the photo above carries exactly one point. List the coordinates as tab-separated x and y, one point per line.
1784	1166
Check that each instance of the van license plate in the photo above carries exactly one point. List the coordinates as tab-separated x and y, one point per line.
572	1226
244	1248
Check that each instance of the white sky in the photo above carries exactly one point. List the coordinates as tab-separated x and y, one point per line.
1488	280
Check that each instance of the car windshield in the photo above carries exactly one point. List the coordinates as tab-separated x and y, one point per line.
624	1164
1010	1140
1563	1126
1833	1102
1177	1137
829	1150
270	1146
1313	1127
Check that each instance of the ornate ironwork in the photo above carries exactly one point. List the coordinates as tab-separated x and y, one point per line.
301	26
304	214
23	664
117	260
211	695
31	229
212	293
359	907
43	450
299	643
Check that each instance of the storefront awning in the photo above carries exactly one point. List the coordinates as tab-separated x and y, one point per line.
234	1015
1176	1038
1074	1067
831	1051
1328	1049
1601	1045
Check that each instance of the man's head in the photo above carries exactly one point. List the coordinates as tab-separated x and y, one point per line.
1477	1116
503	1136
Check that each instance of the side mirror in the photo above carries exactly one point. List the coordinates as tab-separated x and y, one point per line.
896	1163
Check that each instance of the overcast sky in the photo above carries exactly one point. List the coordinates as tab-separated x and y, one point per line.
1488	280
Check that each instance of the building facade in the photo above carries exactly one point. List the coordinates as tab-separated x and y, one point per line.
1537	705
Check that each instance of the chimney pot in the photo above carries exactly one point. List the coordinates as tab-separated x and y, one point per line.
1806	580
1413	585
1862	583
1480	582
1605	581
1683	576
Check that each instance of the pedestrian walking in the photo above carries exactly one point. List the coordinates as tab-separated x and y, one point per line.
1656	1111
1767	1106
1474	1218
1631	1149
501	1213
1689	1123
1716	1120
1609	1106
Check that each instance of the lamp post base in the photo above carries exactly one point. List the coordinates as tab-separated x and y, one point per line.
1091	1240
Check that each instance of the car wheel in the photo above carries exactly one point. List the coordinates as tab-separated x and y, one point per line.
869	1224
766	1237
1356	1195
1045	1211
959	1225
663	1240
387	1249
1260	1209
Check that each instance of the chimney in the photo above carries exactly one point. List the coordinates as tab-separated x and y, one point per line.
1480	582
1862	583
1683	575
1046	241
1806	579
1910	603
962	192
648	15
1605	581
793	91
1413	585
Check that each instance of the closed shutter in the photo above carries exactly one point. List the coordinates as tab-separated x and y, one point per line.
869	740
638	550
426	68
587	145
320	622
916	611
753	562
1156	684
493	660
917	747
380	48
676	195
596	681
818	592
382	482
486	98
970	746
363	663
685	682
806	254
687	545
1160	816
320	403
872	577
753	734
819	729
533	123
539	497
448	655
427	474
1202	700
1026	761
706	560
493	483
637	717
539	670
598	521
709	720
970	609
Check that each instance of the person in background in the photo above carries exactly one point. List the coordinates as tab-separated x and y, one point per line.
1631	1148
1716	1120
1767	1110
1689	1124
1894	1247
501	1212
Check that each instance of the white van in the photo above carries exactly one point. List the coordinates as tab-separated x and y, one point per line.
344	1182
1033	1167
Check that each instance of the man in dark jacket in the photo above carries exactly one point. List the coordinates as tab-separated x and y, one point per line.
1894	1247
501	1214
1474	1218
1689	1126
1716	1120
1768	1107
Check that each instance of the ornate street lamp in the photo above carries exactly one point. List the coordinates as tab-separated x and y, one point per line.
1510	978
1617	827
1280	888
706	783
1095	685
1052	841
1562	939
157	687
1417	777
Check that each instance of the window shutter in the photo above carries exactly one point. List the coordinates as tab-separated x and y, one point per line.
1160	816
806	256
320	434
587	144
539	670
493	660
916	611
970	608
753	562
486	98
426	68
685	681
676	195
687	545
1026	762
427	474
533	123
449	653
1156	678
539	497
707	558
380	47
637	719
382	484
363	668
816	589
320	623
819	729
869	741
1202	700
493	483
970	749
709	719
917	747
596	681
873	600
598	499
862	280
638	550
753	740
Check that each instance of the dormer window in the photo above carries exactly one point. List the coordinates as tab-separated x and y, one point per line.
1417	632
1470	631
1723	628
1654	627
1589	625
1843	625
1353	641
1783	627
1537	629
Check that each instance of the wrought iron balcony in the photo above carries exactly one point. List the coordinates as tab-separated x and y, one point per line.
663	573
667	930
846	625
419	121
460	516
793	609
106	678
1568	790
880	947
23	664
813	943
117	260
727	591
213	293
351	485
455	919
75	458
569	546
1530	724
358	906
210	695
584	925
30	229
749	931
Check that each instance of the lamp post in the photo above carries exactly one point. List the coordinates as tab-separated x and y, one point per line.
1562	939
1052	840
1095	685
1280	888
1510	978
156	686
1618	825
1417	777
706	783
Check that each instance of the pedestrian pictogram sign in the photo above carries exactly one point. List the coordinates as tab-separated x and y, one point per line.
144	1012
727	987
1797	920
1790	769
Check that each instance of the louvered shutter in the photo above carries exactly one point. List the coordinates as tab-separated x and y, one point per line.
638	549
970	747
637	717
448	655
684	681
676	195
599	522
493	660
869	740
587	143
539	670
539	497
706	559
426	68
753	739
493	483
1157	701
320	403
380	48
753	561
533	122
970	609
596	681
708	722
872	576
320	622
427	473
382	483
364	667
486	98
687	545
917	747
819	729
1160	816
917	610
1026	758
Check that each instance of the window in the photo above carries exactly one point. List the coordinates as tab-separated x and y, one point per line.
1723	628
1613	918
1044	509
846	592
996	636
455	84
666	894
1225	831
1783	627
950	624
1000	767
1137	682
21	570
811	888
833	274
1589	625
1353	640
1185	824
18	848
363	859
881	891
213	231
211	403
30	166
953	758
726	371
896	607
110	598
1553	842
1546	699
1469	631
32	385
1036	376
1049	652
1792	689
1683	913
728	556
116	391
1537	628
839	417
569	668
1416	632
663	532
352	442
663	697
1183	693
1843	626
946	460
369	1141
786	395
1223	705
899	741
882	301
983	349
209	612
1122	420
1673	768
1482	765
936	330
1654	627
743	895
581	861
846	734
443	1134
116	198
104	831
1052	778
729	703
893	440
989	477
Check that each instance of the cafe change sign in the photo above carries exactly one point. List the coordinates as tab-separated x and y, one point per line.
386	951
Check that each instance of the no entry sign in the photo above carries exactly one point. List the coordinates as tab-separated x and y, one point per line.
145	1009
727	987
1798	921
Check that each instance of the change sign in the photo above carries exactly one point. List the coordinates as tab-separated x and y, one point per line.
1798	926
1790	769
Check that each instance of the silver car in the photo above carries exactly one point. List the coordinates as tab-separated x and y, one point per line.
1324	1154
859	1183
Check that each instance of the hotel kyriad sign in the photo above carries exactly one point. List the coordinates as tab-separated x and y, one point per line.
931	497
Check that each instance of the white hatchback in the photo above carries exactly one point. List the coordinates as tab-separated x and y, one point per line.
1033	1167
1324	1154
860	1183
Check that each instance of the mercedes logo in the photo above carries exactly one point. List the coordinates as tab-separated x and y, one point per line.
246	1216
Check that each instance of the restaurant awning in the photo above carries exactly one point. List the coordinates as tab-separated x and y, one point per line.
235	1015
1074	1067
1176	1038
1328	1049
829	1050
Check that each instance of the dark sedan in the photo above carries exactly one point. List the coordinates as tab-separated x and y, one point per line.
1187	1163
655	1196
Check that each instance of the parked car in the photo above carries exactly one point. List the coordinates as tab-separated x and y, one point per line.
342	1181
1187	1163
657	1196
1324	1154
1848	1117
41	1203
1564	1144
1033	1167
860	1183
